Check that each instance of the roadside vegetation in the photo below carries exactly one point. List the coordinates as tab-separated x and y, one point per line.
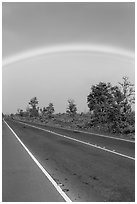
110	111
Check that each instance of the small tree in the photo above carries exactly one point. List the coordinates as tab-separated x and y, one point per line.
33	102
42	111
71	109
48	111
127	89
33	107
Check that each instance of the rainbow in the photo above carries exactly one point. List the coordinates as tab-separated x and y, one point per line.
66	49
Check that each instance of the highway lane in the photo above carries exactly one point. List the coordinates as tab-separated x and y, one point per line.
120	146
85	173
22	180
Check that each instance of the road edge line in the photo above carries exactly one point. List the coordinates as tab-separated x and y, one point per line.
61	192
86	143
100	135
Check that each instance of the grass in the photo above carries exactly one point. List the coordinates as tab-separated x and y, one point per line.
79	122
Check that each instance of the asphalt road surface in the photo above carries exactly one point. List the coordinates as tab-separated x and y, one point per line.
23	181
84	172
118	145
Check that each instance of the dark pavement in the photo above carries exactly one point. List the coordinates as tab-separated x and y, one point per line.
120	146
22	180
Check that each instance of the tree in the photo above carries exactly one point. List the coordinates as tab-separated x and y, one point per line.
127	119
111	105
33	102
43	111
99	101
33	107
48	111
71	109
128	92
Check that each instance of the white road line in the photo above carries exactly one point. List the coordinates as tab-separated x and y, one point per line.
66	198
86	143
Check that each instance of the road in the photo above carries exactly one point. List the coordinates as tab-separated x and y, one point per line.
85	172
23	180
118	145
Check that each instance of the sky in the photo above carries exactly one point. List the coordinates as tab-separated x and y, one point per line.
58	50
